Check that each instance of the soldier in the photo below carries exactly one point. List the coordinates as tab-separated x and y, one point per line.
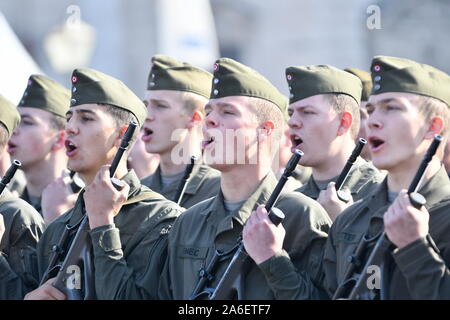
142	162
324	122
408	106
243	125
20	226
38	141
366	81
176	96
100	111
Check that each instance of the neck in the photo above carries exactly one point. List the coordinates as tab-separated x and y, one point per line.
334	162
401	177
241	181
45	172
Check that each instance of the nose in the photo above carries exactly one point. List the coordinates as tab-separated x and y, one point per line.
211	120
150	116
373	122
71	128
294	123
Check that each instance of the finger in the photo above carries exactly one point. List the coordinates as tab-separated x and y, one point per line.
52	291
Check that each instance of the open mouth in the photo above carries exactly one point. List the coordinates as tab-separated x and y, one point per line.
71	148
296	141
11	147
375	143
207	143
147	136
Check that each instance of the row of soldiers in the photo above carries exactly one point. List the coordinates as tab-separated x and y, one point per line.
147	244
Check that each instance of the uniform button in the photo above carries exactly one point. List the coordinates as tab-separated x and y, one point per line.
74	89
291	95
377	78
152	84
153	75
376	87
72	101
216	92
216	80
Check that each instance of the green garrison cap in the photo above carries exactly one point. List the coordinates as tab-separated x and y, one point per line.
92	86
46	94
307	81
366	82
9	116
168	73
391	74
232	78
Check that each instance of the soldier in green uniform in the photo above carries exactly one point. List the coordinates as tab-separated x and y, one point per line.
38	141
408	106
100	111
366	81
176	96
243	125
324	123
20	226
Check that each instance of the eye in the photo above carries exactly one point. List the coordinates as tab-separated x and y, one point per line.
290	113
26	122
369	110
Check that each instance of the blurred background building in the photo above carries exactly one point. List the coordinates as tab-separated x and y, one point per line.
119	37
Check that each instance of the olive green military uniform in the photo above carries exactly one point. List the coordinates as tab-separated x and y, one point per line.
36	203
419	270
207	226
128	255
361	181
353	223
18	263
23	228
203	184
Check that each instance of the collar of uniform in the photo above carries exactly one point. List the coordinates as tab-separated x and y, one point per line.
357	181
310	188
154	180
224	221
436	189
199	173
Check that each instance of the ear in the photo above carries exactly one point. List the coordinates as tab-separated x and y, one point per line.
267	128
120	136
436	127
346	123
60	140
196	118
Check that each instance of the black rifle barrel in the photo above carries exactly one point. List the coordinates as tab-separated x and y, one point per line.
184	181
9	174
417	200
351	160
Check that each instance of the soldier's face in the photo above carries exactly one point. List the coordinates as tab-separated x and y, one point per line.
396	131
34	138
166	122
313	126
230	132
92	139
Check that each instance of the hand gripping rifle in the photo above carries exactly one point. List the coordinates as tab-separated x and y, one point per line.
225	288
9	175
343	196
183	183
74	276
355	283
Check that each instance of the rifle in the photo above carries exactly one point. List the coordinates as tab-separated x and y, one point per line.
9	174
225	288
383	245
343	196
184	181
74	276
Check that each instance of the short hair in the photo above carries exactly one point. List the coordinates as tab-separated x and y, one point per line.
431	107
122	118
4	137
193	102
345	103
269	111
